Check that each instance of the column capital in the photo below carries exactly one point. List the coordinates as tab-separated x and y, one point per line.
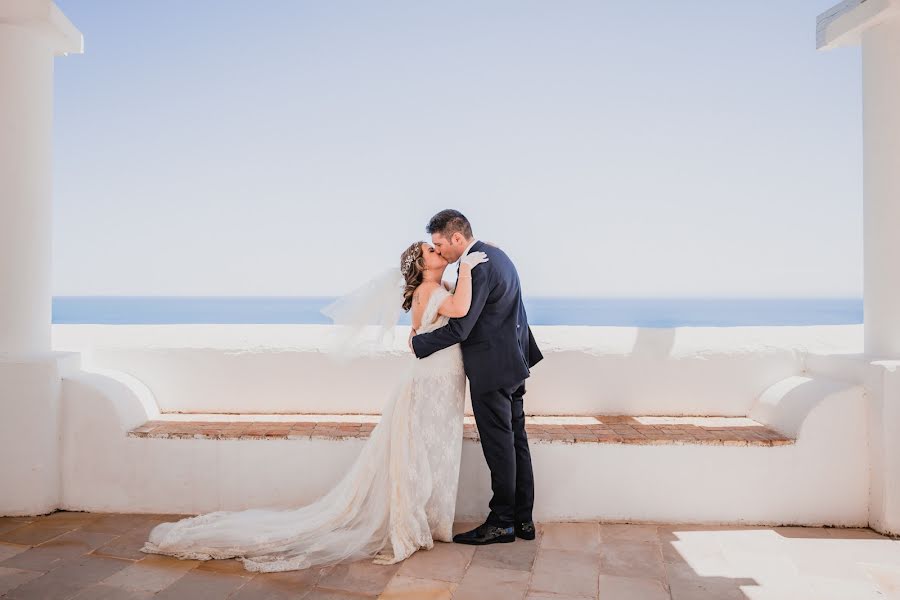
842	24
44	18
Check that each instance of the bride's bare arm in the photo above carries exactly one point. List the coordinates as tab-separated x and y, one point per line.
457	304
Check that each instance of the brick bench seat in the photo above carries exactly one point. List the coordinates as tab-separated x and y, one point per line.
601	429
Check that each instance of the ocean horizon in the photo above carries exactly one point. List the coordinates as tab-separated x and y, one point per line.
624	312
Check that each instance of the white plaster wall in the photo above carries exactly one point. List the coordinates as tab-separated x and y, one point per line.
587	370
106	471
823	479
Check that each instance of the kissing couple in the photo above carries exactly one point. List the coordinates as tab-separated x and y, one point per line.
399	495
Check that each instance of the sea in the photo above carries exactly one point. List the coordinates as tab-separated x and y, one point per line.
626	312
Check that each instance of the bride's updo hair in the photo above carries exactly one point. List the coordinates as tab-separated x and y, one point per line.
412	266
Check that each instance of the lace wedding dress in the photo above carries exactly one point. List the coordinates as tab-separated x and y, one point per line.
399	495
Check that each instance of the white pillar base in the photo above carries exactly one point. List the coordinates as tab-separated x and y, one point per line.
30	389
884	438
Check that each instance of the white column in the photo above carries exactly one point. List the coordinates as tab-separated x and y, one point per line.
875	25
881	200
32	32
26	78
881	181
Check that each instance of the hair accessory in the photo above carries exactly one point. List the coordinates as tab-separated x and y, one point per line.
407	263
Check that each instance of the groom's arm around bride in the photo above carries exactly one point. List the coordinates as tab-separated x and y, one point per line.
498	348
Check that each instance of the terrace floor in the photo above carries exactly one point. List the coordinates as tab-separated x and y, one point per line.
96	556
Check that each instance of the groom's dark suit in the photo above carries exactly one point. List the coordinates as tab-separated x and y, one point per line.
498	351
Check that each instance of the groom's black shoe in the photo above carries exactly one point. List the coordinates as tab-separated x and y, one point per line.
486	534
525	530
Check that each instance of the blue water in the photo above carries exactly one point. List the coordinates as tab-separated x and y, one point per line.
637	312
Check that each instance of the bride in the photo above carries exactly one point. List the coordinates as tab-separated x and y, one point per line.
400	493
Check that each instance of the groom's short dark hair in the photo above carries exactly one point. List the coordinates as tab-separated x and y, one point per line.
447	222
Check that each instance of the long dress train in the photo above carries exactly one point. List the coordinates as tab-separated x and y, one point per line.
398	496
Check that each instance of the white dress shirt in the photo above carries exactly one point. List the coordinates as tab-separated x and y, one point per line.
466	251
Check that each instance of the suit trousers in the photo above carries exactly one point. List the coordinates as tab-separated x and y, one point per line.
500	418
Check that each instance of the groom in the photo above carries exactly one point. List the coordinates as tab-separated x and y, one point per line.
498	352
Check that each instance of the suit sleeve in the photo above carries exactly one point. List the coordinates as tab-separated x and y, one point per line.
534	353
456	330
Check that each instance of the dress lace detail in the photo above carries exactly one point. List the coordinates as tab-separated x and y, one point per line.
397	497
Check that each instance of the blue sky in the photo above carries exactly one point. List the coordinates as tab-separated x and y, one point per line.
612	148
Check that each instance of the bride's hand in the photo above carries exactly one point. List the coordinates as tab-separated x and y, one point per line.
473	259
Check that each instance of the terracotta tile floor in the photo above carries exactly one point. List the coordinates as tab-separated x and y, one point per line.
720	431
95	556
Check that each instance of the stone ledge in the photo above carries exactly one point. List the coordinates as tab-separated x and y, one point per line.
603	429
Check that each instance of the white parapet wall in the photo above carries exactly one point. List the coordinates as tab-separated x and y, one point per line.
823	478
587	370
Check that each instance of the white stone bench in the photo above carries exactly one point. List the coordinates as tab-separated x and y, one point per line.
816	472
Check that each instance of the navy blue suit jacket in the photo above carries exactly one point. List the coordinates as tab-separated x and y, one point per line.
497	346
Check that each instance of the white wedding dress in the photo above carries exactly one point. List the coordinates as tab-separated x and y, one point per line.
398	496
